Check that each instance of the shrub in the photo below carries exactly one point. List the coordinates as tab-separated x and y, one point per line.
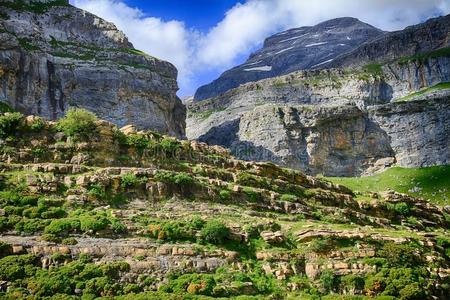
118	227
225	195
48	237
402	209
30	226
129	180
288	197
328	281
322	245
5	108
170	146
182	179
401	255
97	191
93	223
38	124
16	267
9	123
215	232
138	141
63	226
69	241
250	180
77	123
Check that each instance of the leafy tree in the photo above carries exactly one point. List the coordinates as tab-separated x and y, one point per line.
215	232
78	123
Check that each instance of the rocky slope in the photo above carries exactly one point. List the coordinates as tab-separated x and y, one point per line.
137	214
341	121
54	56
292	50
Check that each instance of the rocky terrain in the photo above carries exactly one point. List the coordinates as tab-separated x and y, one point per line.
90	210
347	121
296	49
54	56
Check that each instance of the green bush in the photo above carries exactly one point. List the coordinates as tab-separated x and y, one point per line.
322	245
181	178
38	124
250	180
5	108
69	241
225	195
93	223
97	191
118	227
48	237
9	123
129	180
17	267
78	123
170	146
288	197
328	281
401	255
63	226
215	232
402	209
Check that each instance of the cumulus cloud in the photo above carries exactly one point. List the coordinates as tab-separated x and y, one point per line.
245	26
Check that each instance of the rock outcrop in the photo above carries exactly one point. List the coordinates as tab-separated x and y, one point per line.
341	121
54	56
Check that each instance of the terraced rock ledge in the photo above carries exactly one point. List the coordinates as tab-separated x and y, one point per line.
89	210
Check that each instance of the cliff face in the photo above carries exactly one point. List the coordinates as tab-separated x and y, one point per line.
340	122
54	56
296	49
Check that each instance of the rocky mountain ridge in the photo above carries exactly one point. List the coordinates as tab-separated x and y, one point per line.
323	121
296	49
54	56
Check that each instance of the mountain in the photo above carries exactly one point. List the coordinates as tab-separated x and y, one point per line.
295	49
121	214
54	56
364	115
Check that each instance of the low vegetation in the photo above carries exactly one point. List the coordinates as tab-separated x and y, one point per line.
431	183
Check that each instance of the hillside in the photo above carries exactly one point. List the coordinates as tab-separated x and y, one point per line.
88	210
54	56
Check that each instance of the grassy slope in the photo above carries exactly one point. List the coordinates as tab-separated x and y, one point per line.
434	182
438	87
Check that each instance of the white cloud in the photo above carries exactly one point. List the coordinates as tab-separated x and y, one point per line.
246	25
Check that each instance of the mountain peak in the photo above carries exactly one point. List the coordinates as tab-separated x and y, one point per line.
295	49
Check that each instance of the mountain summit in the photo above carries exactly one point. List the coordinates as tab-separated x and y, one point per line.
301	48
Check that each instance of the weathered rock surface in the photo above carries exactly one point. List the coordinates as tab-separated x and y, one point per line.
295	49
62	56
340	122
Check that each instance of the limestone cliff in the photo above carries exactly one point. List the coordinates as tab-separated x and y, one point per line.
54	56
340	122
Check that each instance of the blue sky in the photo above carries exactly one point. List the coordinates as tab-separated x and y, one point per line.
204	38
200	14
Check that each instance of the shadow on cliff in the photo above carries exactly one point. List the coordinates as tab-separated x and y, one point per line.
226	135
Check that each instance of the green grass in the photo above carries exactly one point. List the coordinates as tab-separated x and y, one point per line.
438	87
433	182
422	57
374	69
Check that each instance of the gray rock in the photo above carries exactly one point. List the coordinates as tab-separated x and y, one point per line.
333	122
64	57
